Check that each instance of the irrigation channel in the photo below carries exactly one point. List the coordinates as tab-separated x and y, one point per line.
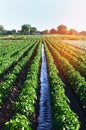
45	114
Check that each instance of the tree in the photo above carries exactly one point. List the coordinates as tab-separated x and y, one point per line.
83	32
53	31
45	31
9	32
1	29
62	29
4	32
13	31
72	32
33	30
26	29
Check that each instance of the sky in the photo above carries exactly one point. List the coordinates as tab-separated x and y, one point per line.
43	14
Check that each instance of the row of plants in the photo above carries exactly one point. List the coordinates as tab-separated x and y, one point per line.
6	86
24	106
79	54
76	81
5	46
7	61
78	65
63	117
26	45
8	47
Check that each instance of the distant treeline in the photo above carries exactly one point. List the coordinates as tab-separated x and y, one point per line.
26	29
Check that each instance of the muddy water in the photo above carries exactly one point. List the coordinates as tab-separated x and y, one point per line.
45	115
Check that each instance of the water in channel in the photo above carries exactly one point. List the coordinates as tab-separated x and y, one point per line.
45	114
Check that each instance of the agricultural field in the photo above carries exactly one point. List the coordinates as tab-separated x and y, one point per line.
42	84
78	43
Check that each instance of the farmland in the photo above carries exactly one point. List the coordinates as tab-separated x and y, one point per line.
42	84
78	43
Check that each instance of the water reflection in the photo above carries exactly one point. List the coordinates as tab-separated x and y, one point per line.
45	115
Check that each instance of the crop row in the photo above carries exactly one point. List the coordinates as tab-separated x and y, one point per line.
6	86
76	81
24	106
63	116
78	65
7	60
79	54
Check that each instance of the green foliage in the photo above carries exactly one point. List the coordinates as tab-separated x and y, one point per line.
33	30
25	102
63	117
77	82
1	29
18	122
26	29
62	29
6	86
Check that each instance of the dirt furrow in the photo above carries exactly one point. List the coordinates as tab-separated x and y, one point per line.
6	111
74	102
10	68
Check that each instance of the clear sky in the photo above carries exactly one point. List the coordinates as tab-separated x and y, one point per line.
43	14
